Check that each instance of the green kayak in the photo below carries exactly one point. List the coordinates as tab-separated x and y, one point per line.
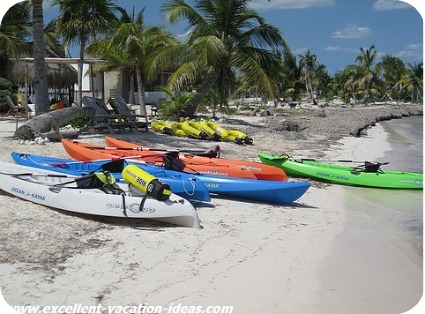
367	175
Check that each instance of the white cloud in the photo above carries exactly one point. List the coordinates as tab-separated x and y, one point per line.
289	4
412	51
341	49
385	5
352	31
414	47
300	51
335	48
183	37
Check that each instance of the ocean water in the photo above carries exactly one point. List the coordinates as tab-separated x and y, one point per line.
375	263
398	214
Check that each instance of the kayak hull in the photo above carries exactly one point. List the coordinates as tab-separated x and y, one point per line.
87	152
273	192
161	127
192	128
389	179
182	184
59	191
259	170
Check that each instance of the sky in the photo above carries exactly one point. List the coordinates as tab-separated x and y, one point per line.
333	30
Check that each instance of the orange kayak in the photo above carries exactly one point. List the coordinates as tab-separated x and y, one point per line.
86	151
260	170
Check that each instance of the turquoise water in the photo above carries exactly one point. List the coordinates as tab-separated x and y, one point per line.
398	213
375	264
406	139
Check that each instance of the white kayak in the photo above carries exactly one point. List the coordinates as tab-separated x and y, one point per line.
64	192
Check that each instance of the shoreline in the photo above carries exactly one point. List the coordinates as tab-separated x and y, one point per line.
403	262
260	258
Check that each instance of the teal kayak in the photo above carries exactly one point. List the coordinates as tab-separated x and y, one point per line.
368	174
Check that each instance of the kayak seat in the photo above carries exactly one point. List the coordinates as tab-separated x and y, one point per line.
368	167
98	180
171	162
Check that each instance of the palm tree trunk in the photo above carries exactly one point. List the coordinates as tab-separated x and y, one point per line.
308	85
191	109
52	120
141	92
41	88
80	74
131	96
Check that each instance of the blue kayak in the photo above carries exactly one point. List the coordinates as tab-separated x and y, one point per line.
274	192
182	184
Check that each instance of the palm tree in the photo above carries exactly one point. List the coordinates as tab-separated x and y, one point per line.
307	62
41	88
226	38
175	103
14	30
367	73
315	74
132	46
412	81
393	71
81	20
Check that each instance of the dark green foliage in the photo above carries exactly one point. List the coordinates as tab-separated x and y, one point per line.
79	122
6	89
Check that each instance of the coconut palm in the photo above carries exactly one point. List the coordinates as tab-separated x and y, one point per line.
412	81
367	73
41	88
132	46
308	63
79	21
226	38
393	70
175	104
14	30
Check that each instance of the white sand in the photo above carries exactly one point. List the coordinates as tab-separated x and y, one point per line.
256	257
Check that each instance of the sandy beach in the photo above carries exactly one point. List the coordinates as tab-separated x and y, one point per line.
312	256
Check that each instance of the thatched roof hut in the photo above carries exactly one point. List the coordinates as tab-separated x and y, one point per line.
59	75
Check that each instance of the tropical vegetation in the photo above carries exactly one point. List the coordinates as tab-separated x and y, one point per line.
230	52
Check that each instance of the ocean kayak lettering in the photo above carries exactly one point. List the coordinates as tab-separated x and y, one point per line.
28	194
417	182
215	173
212	185
327	175
135	208
252	168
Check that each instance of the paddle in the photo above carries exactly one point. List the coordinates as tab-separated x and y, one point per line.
64	163
38	174
286	156
337	160
212	152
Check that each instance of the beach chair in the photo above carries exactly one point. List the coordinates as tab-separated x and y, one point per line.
18	109
119	104
102	104
103	119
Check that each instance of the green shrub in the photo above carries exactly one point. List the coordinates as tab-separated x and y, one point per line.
6	89
79	122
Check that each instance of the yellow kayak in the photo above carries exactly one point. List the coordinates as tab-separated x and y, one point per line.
193	130
162	127
177	130
225	134
211	129
238	137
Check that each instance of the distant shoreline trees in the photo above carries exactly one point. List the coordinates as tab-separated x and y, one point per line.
230	50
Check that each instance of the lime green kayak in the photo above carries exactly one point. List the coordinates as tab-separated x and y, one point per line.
366	175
